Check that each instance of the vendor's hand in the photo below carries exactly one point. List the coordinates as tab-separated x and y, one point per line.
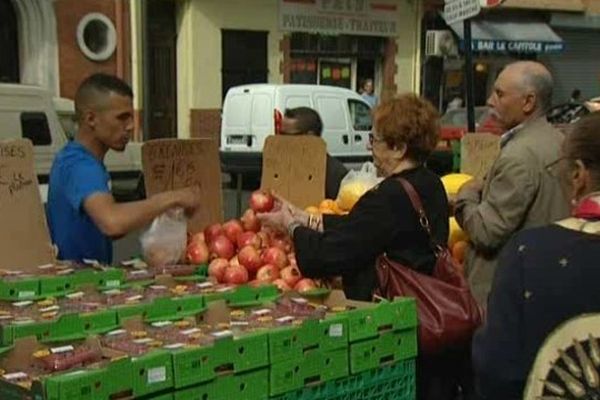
298	214
187	198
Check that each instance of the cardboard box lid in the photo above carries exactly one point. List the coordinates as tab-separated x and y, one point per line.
175	163
25	240
294	167
478	153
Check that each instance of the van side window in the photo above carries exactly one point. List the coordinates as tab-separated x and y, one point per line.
34	126
361	115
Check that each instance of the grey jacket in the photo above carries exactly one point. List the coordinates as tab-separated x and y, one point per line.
519	192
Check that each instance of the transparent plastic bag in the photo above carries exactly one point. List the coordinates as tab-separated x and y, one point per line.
164	242
355	184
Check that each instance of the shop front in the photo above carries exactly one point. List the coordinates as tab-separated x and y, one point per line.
340	43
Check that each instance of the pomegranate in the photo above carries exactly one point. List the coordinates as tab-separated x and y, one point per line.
232	229
304	285
249	221
267	273
217	268
261	201
248	239
290	275
212	231
276	256
234	262
221	247
281	285
236	275
250	258
197	253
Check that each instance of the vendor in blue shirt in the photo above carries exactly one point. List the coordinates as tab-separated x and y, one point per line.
82	214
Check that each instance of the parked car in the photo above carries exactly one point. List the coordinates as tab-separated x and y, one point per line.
30	112
454	123
253	112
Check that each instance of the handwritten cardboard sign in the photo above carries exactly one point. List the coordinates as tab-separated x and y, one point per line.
170	164
24	237
478	153
294	166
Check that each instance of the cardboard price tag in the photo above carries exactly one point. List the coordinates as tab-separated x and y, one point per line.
170	164
478	153
24	235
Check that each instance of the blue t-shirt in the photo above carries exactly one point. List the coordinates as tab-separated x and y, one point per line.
75	175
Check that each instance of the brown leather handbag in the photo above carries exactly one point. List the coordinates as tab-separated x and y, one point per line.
447	311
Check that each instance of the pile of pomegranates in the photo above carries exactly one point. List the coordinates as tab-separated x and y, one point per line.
241	251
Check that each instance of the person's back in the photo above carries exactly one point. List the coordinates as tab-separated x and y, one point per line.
73	231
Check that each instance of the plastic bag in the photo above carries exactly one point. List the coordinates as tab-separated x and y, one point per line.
355	184
164	242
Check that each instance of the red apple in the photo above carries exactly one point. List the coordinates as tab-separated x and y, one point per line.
212	231
236	275
248	239
221	247
232	229
267	273
249	221
250	258
276	256
281	285
217	268
261	201
197	253
304	285
290	275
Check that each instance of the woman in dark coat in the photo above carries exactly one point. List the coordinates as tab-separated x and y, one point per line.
406	130
545	275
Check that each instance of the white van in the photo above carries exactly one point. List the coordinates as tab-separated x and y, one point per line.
252	112
30	112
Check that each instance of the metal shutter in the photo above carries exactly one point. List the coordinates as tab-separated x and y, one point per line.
578	66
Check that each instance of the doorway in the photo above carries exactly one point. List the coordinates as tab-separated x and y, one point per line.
9	43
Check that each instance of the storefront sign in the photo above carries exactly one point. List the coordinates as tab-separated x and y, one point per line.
501	46
354	17
459	10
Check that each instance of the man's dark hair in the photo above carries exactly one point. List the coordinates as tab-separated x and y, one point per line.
308	119
96	85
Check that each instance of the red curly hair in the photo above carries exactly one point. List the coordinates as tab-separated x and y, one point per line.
411	120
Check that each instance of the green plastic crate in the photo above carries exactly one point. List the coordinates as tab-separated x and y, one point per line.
387	348
196	365
19	289
66	327
152	372
293	341
315	367
369	322
247	386
245	296
394	382
60	285
175	307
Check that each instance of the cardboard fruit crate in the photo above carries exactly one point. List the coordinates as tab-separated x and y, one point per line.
315	367
389	347
392	382
247	386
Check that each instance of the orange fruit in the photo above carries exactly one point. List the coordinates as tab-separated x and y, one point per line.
459	250
327	204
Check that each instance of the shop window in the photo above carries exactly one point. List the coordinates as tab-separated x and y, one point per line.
244	58
303	70
34	126
361	115
96	36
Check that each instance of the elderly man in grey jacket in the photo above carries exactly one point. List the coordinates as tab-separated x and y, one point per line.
521	190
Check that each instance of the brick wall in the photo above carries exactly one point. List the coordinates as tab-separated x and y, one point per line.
74	66
205	123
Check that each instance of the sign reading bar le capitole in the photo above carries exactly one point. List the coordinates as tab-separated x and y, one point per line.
353	17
